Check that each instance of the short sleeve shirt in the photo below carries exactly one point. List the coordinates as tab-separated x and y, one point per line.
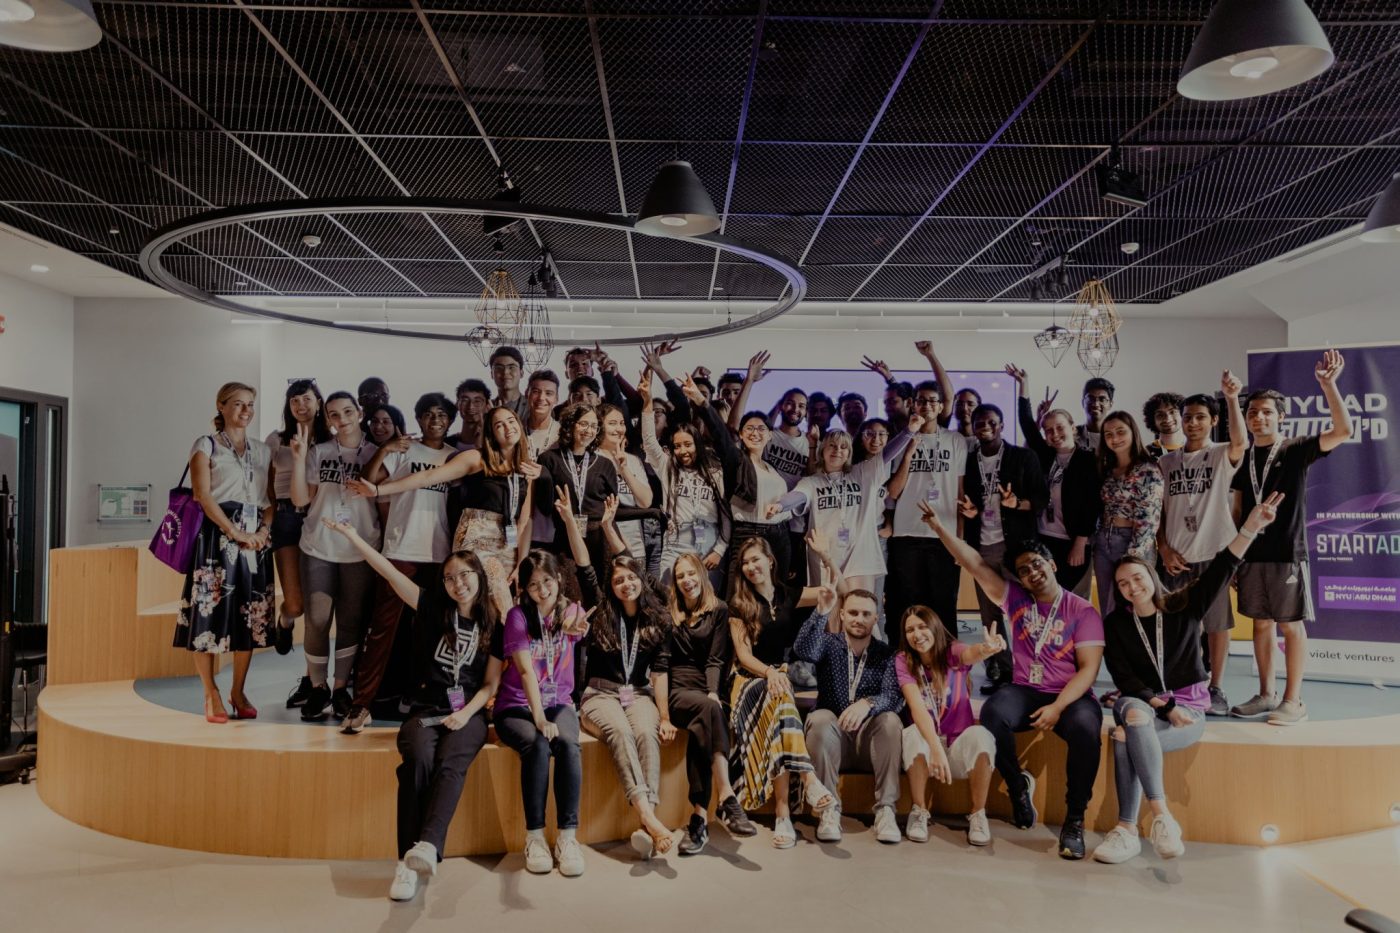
556	679
416	529
1285	540
956	700
1196	506
937	464
1077	624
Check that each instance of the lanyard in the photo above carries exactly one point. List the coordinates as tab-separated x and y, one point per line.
552	651
629	658
462	655
1256	481
1157	659
513	484
935	703
1189	469
579	476
854	671
1057	470
990	476
346	468
245	461
1045	629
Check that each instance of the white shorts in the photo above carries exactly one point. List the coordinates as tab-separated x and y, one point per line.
962	756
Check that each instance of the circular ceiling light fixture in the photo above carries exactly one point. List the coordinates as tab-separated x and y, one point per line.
49	25
172	235
677	204
1383	222
1248	48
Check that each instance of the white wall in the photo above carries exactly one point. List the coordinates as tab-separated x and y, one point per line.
1375	321
147	372
36	350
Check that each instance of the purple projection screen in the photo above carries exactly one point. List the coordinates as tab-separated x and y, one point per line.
1353	508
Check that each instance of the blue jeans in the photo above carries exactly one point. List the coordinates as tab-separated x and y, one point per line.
1137	761
516	728
1111	546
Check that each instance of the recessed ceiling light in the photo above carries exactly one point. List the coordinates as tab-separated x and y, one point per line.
38	268
114	231
718	288
311	240
1131	247
512	68
240	284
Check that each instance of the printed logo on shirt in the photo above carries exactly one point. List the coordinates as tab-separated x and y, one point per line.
338	471
445	658
689	485
785	459
1190	481
829	496
418	467
923	460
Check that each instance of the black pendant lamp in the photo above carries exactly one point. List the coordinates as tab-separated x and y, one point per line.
677	204
1252	47
49	25
1383	223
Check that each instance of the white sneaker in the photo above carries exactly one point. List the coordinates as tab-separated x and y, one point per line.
916	827
569	854
886	826
405	883
422	857
1166	837
978	832
829	825
1118	846
538	861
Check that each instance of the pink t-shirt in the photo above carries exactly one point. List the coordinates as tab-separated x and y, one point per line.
1077	623
555	690
957	701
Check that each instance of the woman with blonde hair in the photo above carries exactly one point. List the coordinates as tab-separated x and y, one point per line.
227	603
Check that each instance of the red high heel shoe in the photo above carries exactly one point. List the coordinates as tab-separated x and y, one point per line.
243	712
211	716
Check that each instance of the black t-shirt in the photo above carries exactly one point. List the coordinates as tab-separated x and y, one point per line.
778	625
1285	540
434	655
605	663
600	483
698	654
492	493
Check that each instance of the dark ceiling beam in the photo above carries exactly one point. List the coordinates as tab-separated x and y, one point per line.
898	80
612	135
982	151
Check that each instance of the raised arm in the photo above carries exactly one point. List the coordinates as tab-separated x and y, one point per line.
302	488
374	471
945	384
563	507
1231	387
403	586
468	461
1327	371
755	373
993	583
651	444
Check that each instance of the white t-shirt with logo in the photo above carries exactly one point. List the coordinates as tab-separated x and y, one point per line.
936	468
416	528
1196	505
788	455
847	508
631	531
328	466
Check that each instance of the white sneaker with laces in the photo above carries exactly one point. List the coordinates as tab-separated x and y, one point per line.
978	832
829	825
1166	838
538	861
886	826
405	883
422	857
916	827
1118	846
569	854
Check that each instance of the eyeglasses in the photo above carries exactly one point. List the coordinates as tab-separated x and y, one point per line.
755	429
928	400
461	578
1035	563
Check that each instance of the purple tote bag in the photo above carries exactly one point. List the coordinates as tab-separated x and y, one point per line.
173	544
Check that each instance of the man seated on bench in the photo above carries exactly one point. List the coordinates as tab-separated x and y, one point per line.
855	724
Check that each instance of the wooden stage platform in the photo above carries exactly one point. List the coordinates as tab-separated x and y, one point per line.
114	761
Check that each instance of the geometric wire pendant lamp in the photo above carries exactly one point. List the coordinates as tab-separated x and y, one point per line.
1054	341
498	317
535	340
1094	318
1098	358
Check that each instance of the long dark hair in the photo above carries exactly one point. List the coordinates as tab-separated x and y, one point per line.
1108	460
483	613
395	416
941	640
539	562
706	464
499	461
858	451
320	430
1165	600
746	603
651	612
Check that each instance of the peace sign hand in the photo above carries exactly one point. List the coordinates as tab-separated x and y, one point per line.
877	366
1263	514
300	441
1009	499
1019	374
1046	405
930	518
967	507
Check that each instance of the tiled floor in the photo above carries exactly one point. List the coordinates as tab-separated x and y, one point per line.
57	876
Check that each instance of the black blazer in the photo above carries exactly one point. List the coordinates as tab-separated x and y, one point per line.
1079	488
1021	469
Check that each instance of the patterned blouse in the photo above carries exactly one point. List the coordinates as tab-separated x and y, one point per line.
1137	497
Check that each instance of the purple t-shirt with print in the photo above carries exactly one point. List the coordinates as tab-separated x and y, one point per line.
957	701
1077	624
554	691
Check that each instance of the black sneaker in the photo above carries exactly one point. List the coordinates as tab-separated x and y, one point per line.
1023	812
1072	839
697	833
298	696
341	701
734	818
316	702
282	638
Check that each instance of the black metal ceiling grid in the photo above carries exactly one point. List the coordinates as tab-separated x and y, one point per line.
118	138
740	280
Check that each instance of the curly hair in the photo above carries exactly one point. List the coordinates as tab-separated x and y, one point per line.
569	420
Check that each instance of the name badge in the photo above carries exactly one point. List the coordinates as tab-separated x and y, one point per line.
249	517
627	695
1037	675
456	698
512	536
843	538
931	494
342	514
989	514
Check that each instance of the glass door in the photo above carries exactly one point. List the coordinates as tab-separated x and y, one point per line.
33	464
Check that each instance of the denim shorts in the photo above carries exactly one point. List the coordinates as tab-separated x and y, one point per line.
287	520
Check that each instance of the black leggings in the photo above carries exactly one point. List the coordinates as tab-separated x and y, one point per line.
434	768
703	718
1008	711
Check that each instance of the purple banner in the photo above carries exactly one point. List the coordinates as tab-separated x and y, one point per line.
1353	507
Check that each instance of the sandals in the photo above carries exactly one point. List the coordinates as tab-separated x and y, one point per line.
814	793
784	836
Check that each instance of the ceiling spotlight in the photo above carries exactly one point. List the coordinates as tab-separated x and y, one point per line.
1248	48
1130	247
1383	223
311	240
49	25
498	245
114	231
677	204
241	283
1117	184
38	268
505	191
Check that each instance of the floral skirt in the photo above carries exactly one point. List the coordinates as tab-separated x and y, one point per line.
484	533
227	602
768	740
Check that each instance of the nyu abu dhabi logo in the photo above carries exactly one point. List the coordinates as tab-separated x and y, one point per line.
170	528
1305	415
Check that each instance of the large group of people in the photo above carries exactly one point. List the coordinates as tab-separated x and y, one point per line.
655	562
